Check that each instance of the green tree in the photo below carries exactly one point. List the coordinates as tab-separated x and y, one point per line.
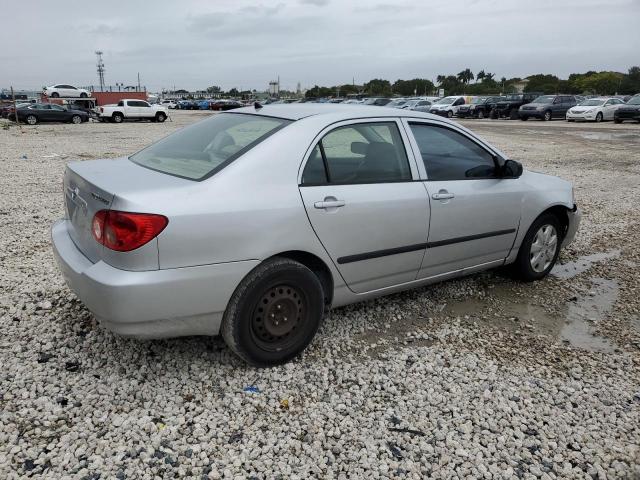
465	76
214	89
481	75
378	86
407	88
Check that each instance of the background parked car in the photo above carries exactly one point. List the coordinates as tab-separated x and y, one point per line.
6	110
628	111
594	109
508	108
187	105
377	101
397	103
48	112
205	104
224	105
547	107
480	107
169	103
419	105
447	106
64	90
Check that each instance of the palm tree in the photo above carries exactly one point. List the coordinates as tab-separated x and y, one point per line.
440	79
489	76
465	76
480	75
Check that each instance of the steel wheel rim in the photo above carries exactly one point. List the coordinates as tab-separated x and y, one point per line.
543	248
547	116
278	317
31	120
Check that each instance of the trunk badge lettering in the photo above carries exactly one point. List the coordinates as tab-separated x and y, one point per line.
99	198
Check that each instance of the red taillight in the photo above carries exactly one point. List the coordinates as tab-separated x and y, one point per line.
125	231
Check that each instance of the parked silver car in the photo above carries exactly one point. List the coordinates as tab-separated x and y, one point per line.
252	223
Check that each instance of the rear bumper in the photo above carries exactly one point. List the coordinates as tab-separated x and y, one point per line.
575	215
149	304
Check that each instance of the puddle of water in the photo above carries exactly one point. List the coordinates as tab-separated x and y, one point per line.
574	324
606	135
571	269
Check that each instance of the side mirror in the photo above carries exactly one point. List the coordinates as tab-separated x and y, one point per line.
511	169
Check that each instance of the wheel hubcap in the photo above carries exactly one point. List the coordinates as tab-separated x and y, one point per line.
31	120
543	249
278	315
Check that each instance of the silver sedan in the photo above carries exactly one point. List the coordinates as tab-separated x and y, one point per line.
252	223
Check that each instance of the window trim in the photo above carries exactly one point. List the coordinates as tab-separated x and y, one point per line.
498	159
414	172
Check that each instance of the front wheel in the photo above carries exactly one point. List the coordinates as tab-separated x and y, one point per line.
160	117
524	119
76	119
31	119
617	120
480	114
539	249
83	95
547	116
274	313
599	117
449	114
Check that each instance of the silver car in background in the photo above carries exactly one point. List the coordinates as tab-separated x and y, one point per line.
252	223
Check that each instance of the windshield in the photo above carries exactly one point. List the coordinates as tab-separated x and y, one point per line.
370	101
445	101
199	151
544	99
634	101
395	103
591	103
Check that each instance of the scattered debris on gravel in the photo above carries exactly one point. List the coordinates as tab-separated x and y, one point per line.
481	377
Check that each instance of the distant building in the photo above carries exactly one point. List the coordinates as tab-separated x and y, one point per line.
521	85
274	88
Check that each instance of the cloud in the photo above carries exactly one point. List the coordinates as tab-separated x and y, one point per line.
317	3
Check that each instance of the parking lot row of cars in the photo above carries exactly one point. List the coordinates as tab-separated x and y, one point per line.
522	106
206	104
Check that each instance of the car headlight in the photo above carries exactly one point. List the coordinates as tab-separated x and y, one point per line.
588	111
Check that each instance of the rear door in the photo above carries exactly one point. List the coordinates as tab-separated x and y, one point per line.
360	190
474	214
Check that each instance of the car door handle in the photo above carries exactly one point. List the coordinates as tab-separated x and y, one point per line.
442	196
329	204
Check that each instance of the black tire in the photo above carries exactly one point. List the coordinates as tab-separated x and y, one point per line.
617	120
599	117
524	119
254	324
160	117
568	120
117	117
513	114
522	267
83	95
480	114
449	114
76	119
31	119
547	116
494	114
55	95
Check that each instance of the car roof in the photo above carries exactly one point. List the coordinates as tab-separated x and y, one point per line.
297	111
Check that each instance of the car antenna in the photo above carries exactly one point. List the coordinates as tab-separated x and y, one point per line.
257	105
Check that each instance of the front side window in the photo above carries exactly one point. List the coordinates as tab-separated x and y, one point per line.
360	153
449	155
57	107
202	149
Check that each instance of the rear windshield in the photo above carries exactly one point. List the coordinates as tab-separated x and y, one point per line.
199	151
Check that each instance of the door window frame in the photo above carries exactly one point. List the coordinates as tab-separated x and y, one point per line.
406	145
424	177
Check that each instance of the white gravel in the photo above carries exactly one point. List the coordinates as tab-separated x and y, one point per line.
476	378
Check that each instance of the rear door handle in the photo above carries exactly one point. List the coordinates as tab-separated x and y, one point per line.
329	204
442	196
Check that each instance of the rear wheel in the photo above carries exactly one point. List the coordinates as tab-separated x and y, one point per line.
83	95
539	249
599	117
31	119
76	119
274	313
480	114
160	117
55	95
117	117
524	119
547	116
617	120
513	114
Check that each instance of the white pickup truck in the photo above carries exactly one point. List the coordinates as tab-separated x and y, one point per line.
132	110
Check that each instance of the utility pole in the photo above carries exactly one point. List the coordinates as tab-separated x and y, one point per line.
15	108
100	70
138	81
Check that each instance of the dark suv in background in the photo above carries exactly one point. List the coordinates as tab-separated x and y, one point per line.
628	111
508	108
548	107
480	107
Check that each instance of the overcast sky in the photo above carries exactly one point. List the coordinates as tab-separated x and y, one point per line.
193	44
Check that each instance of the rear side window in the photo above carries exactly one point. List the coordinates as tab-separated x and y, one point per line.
201	150
449	155
360	153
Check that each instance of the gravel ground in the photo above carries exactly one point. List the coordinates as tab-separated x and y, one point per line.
481	377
